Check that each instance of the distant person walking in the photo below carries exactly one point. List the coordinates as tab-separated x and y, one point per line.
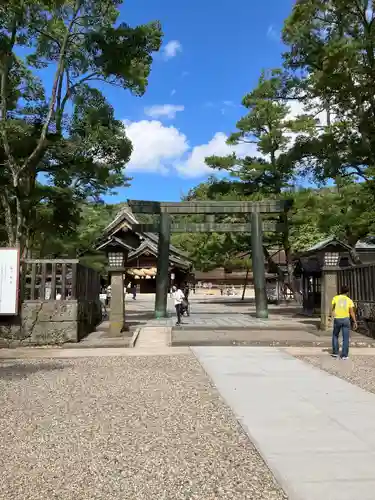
186	291
178	297
342	311
109	296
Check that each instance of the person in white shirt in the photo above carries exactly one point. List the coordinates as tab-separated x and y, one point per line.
178	297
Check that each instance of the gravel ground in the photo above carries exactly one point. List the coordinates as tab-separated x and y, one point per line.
122	428
359	370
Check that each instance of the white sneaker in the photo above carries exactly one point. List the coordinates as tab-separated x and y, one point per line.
345	357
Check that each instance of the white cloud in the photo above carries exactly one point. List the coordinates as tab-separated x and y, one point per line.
171	49
194	165
173	91
157	148
165	149
163	110
299	108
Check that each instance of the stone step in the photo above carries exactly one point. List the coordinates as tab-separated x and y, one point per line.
153	337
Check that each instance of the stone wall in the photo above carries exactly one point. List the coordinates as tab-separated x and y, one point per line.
49	323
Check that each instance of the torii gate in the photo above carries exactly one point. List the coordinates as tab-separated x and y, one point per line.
209	208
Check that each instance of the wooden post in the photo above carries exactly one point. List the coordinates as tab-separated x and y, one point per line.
258	266
162	276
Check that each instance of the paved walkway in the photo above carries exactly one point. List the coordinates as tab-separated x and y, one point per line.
315	431
231	313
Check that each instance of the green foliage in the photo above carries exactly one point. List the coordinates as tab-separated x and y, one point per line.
331	44
345	212
71	231
329	71
268	126
80	148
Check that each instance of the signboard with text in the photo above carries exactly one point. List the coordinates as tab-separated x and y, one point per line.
9	280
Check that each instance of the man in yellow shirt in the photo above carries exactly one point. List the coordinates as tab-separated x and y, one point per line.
342	311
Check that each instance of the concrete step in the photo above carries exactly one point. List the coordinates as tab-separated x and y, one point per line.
276	338
153	337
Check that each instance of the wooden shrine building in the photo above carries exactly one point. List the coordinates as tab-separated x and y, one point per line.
142	252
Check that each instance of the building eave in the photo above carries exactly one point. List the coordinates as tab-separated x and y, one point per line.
114	242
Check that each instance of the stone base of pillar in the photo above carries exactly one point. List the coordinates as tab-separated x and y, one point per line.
328	291
119	329
117	312
261	302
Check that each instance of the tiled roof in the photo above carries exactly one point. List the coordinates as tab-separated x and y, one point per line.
126	216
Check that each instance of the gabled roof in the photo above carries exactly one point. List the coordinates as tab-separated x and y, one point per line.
125	220
368	242
145	246
113	241
149	246
125	217
321	245
155	239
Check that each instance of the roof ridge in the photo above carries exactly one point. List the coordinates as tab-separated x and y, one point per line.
124	213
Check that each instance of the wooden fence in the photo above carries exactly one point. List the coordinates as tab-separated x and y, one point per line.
361	282
45	280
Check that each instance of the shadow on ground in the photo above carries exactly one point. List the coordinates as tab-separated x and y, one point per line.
10	370
227	301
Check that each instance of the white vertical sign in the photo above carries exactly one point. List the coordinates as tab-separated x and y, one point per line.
9	280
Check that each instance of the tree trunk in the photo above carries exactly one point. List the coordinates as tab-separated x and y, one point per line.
8	219
19	236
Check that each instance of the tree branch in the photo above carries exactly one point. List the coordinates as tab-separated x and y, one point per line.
244	141
60	68
68	94
47	35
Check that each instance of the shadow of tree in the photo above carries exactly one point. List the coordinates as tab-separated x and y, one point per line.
10	370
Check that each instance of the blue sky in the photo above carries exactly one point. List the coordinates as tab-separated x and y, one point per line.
213	52
224	46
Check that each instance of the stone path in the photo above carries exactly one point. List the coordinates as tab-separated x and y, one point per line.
216	312
315	431
227	320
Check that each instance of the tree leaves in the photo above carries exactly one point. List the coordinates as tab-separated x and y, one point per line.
80	149
331	46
